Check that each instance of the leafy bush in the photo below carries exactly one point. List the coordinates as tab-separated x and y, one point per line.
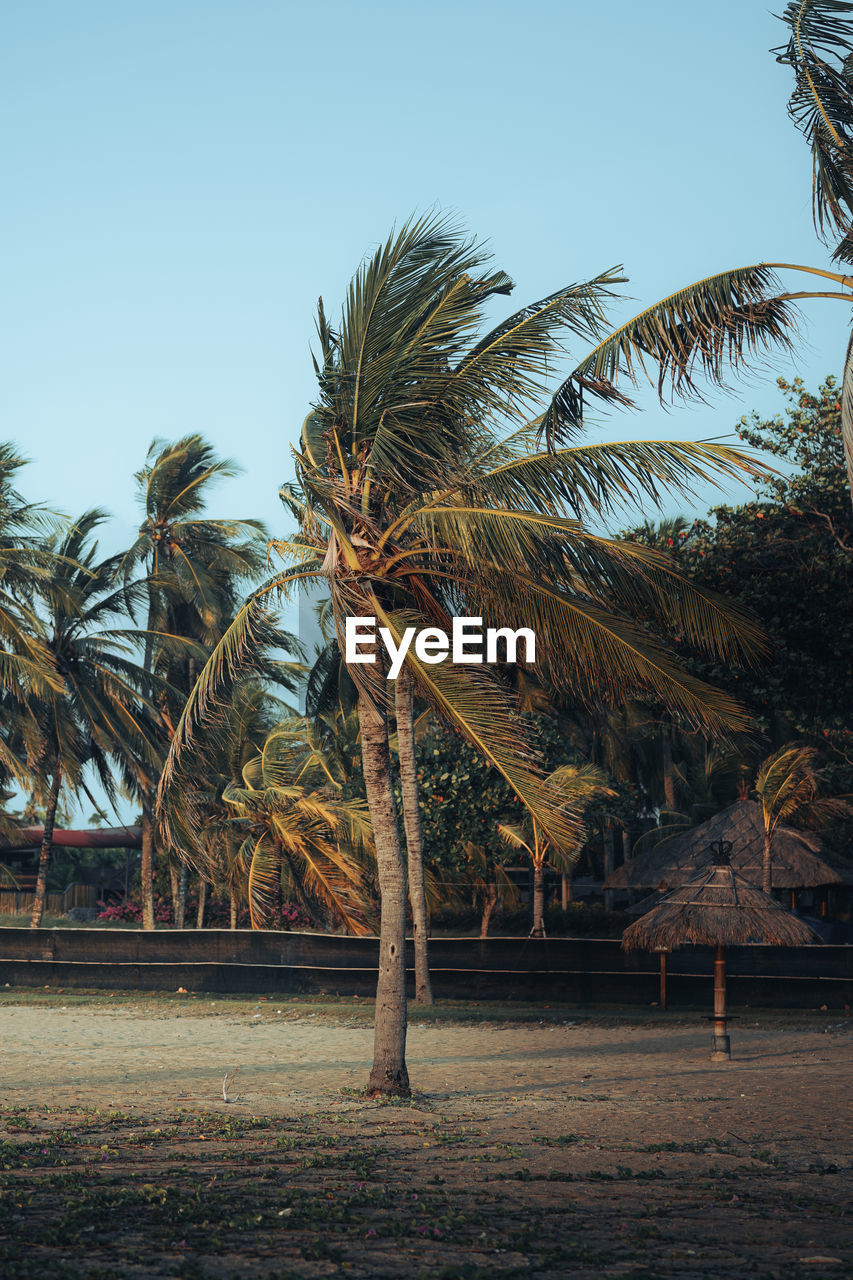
217	913
130	911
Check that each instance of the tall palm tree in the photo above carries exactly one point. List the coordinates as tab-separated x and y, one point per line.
820	53
437	475
195	567
578	786
99	718
27	562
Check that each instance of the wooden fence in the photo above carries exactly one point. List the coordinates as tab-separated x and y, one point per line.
20	901
578	971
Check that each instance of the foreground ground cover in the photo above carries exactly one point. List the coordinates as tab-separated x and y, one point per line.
585	1146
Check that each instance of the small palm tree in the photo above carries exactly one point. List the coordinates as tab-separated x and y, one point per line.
788	786
577	786
199	816
299	835
489	882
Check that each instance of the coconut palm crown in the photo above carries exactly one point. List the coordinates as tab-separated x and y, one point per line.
100	715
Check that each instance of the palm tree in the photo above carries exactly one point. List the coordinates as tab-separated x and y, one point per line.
27	562
299	835
787	786
199	816
490	883
434	478
99	718
194	569
578	786
820	53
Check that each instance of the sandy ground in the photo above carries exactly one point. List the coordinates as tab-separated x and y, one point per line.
643	1134
96	1057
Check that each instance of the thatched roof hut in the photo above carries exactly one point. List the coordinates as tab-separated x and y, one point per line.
800	859
717	907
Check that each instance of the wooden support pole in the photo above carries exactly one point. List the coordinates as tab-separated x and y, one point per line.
662	1001
722	1048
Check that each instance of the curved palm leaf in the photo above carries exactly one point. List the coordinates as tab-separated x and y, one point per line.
819	51
714	326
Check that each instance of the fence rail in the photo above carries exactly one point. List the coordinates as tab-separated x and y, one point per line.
574	970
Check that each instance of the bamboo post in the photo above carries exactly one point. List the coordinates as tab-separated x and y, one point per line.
722	1048
662	1000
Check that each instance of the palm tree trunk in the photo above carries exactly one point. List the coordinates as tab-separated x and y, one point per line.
181	904
279	895
847	413
488	907
414	839
388	1074
538	930
146	870
232	895
668	768
202	903
173	882
46	843
609	863
766	867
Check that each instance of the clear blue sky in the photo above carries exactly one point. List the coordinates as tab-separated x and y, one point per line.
182	178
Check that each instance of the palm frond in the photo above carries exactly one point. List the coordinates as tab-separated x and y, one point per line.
599	478
482	711
509	365
711	327
232	656
820	53
593	648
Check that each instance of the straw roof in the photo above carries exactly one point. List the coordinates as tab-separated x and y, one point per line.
716	907
800	860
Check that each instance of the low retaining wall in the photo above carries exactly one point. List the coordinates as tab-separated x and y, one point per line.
572	970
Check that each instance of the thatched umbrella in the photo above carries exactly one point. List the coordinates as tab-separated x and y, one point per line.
717	908
800	859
